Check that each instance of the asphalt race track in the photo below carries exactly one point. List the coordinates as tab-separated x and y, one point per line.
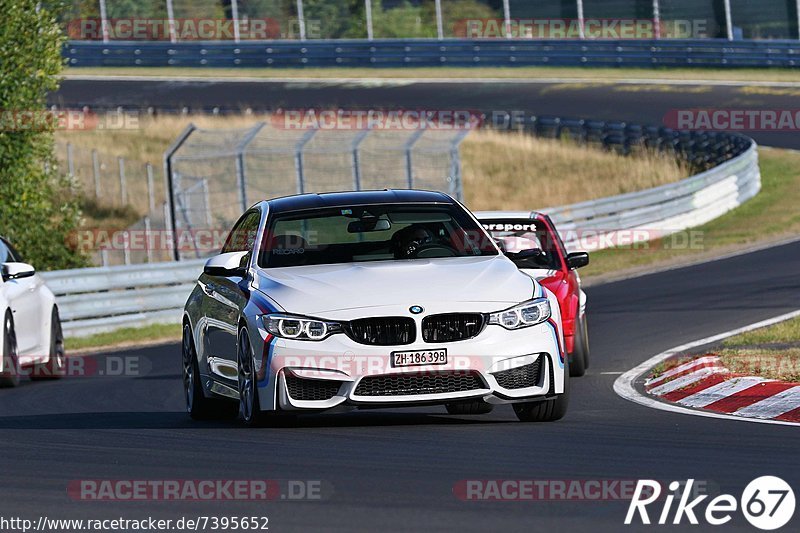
395	470
641	103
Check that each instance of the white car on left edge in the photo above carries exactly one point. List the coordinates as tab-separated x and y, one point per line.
31	338
394	298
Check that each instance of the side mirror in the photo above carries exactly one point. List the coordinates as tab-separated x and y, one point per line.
229	264
17	271
577	259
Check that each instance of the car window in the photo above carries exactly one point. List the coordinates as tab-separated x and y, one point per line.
514	236
243	235
4	253
13	254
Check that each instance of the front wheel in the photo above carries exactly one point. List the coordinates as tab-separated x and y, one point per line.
9	365
56	362
579	360
197	405
545	410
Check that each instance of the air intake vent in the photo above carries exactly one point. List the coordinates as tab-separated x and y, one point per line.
311	389
383	331
451	327
520	377
411	384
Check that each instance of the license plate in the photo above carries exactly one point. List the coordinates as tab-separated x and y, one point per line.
419	358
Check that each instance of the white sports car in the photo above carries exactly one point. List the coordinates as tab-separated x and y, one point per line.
369	299
31	337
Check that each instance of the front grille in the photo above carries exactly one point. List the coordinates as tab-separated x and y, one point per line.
520	377
451	327
311	389
427	383
383	331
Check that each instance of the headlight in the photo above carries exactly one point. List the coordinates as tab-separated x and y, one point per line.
301	328
522	315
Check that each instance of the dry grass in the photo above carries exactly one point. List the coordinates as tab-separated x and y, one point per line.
519	172
771	364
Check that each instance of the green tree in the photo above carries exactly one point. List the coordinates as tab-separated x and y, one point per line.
38	206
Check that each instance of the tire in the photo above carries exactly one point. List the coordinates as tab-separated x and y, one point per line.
9	368
249	406
57	362
579	360
477	407
545	410
197	405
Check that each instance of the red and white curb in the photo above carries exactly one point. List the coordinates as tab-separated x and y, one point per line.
703	387
705	383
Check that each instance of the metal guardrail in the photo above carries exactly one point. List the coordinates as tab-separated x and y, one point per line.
101	299
432	52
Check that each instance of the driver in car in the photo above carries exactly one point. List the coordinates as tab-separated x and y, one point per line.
408	241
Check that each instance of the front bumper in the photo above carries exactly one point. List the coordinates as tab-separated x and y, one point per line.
497	366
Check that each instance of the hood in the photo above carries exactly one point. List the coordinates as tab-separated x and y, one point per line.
320	288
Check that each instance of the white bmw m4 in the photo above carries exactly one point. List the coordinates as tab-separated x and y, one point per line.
338	301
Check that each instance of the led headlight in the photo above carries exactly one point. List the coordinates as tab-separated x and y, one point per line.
301	328
522	315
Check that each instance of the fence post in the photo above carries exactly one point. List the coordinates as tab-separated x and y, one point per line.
207	201
409	163
368	7
96	174
151	193
357	160
301	20
104	20
657	19
797	9
173	38
439	24
170	192
71	160
148	241
580	19
242	181
456	188
123	185
728	19
298	159
235	17
507	18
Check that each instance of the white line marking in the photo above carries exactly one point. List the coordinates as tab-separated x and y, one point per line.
610	373
776	405
624	388
378	82
721	390
683	381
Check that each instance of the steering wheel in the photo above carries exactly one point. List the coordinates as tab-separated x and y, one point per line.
433	250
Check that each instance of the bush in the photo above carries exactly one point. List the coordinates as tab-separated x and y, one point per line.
38	206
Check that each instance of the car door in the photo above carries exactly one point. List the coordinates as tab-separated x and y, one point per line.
25	302
224	297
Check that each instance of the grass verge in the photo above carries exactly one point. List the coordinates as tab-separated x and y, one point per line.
599	74
772	352
125	337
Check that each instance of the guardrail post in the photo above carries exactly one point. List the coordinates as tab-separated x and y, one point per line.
301	20
96	174
123	185
368	11
728	19
580	19
151	193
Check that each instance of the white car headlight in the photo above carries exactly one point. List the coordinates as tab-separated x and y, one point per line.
299	327
522	315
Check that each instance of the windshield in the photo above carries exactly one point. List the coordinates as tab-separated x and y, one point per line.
372	233
515	237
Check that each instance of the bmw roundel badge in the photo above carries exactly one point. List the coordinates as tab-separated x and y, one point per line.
416	309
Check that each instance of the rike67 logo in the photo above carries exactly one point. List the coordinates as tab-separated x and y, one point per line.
767	503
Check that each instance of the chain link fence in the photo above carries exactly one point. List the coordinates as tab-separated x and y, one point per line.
243	20
215	175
